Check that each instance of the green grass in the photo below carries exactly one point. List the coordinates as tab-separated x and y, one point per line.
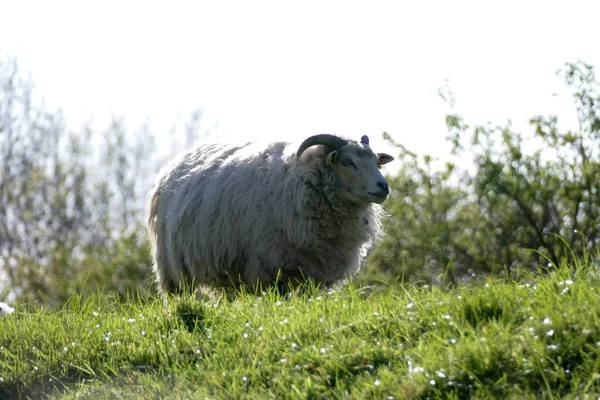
490	339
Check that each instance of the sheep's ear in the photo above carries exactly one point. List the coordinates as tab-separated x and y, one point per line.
383	158
331	157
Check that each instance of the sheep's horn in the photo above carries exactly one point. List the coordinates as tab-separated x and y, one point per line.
331	141
364	139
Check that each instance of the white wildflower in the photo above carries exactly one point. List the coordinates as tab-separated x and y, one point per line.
5	309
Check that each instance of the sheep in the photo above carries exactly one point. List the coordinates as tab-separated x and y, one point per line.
224	216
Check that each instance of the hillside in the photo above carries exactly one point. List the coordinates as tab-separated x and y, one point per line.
539	337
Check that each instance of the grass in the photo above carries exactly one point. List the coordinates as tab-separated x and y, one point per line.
538	338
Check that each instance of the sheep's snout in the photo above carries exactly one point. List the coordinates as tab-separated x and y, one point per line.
384	186
381	193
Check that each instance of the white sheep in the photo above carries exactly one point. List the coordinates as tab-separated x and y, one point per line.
227	215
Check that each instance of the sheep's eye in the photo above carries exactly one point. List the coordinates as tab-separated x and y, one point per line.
346	162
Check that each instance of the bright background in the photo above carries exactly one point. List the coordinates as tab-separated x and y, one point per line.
286	70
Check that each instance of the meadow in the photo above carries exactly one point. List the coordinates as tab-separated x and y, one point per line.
538	337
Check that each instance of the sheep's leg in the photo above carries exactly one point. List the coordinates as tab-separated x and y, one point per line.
285	268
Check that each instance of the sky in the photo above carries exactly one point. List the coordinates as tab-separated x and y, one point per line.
287	70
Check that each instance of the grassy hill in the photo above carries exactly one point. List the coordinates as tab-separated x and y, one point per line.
539	337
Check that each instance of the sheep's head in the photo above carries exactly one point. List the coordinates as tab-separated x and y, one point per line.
355	166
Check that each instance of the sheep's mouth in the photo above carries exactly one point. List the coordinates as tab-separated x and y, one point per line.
378	197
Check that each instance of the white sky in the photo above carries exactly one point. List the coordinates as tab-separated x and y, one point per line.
284	69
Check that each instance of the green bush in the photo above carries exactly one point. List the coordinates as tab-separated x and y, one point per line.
515	211
72	202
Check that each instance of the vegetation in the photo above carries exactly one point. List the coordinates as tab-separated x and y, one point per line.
494	338
72	203
510	246
512	211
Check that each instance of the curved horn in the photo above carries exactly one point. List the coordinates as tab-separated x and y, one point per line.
364	139
332	141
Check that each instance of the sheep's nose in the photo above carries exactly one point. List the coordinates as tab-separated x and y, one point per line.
384	185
